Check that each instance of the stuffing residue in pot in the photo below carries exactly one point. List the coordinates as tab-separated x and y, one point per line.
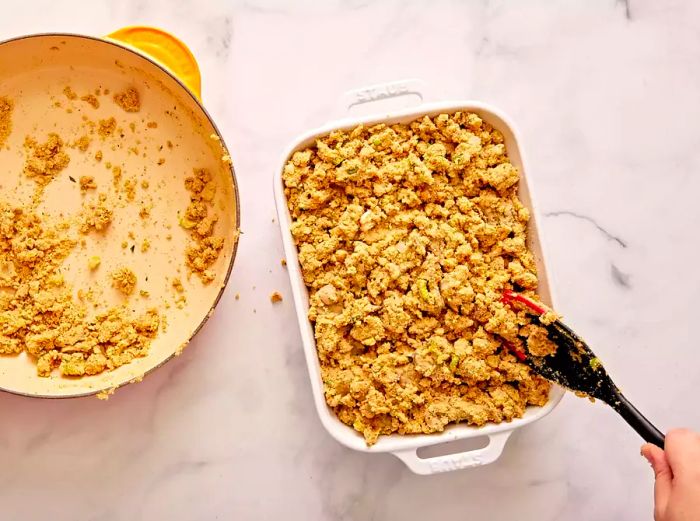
116	220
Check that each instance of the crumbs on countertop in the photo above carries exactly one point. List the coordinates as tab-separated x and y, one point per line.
276	297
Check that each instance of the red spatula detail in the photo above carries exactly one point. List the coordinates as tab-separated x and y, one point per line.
510	296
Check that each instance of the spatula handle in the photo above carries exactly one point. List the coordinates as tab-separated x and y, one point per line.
638	422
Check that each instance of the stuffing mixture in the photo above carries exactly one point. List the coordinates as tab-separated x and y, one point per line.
45	160
69	93
38	313
106	127
68	330
6	106
87	182
128	100
96	216
92	100
124	279
204	247
94	262
82	143
408	235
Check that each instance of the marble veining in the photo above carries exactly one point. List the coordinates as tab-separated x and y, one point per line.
589	219
604	93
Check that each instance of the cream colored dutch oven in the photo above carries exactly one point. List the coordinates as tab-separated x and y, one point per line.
406	447
169	136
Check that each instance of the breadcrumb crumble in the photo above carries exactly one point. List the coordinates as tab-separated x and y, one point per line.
6	109
129	100
45	160
124	279
204	247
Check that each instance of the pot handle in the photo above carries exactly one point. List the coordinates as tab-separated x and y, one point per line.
461	460
382	91
165	49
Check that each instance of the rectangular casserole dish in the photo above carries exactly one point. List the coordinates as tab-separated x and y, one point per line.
405	446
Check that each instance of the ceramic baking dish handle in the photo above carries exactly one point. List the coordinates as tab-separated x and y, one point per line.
165	49
462	460
413	90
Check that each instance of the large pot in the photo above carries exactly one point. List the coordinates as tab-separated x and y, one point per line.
64	84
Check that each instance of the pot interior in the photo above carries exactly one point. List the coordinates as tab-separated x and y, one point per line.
138	154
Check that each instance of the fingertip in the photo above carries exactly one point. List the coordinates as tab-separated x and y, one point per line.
650	452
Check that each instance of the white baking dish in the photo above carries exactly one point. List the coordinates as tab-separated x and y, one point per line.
405	446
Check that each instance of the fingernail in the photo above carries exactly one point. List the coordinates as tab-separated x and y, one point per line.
650	461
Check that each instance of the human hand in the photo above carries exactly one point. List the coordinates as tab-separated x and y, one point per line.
677	474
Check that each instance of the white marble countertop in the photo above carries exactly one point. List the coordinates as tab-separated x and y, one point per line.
606	97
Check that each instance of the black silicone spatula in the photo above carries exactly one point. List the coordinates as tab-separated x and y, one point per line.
575	367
